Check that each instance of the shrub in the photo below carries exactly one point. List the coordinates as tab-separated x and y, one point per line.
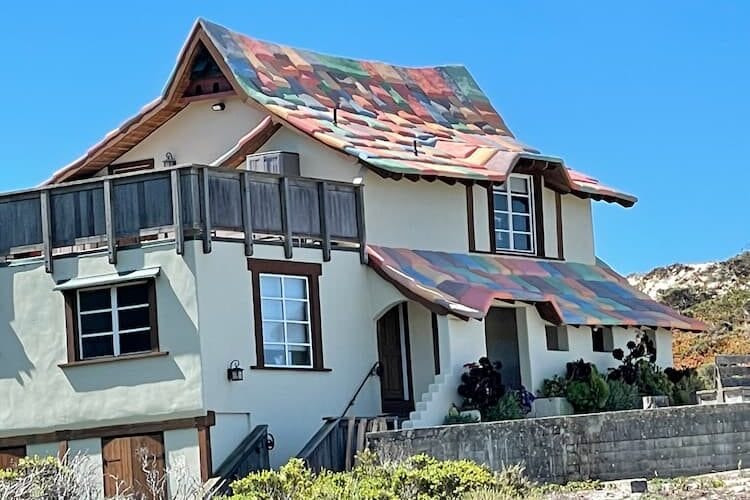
481	385
588	394
507	408
622	396
683	392
420	477
553	387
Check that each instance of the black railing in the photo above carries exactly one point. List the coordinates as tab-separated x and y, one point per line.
191	201
249	456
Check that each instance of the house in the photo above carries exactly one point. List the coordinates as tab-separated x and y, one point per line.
291	219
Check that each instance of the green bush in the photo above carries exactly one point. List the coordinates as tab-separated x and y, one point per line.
419	477
622	396
652	381
683	392
507	408
588	395
553	387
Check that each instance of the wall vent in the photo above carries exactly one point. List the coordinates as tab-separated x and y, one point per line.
274	162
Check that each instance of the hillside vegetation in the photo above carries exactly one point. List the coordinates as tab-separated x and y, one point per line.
717	293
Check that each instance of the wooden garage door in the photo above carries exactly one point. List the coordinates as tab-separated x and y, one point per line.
123	459
9	456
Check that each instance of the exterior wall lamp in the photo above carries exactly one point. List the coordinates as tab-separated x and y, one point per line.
169	160
234	372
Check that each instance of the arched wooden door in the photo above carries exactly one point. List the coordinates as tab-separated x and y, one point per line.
395	364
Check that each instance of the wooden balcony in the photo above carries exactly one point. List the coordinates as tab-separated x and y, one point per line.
179	203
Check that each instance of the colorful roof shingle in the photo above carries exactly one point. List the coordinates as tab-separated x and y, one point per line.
433	121
563	292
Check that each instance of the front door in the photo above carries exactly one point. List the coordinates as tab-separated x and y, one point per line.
501	335
392	339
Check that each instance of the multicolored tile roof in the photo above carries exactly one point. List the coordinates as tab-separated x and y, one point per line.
433	121
563	292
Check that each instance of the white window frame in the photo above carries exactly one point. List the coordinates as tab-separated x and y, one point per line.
284	321
504	189
113	310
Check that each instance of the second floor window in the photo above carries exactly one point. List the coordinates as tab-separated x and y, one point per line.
513	207
116	320
285	309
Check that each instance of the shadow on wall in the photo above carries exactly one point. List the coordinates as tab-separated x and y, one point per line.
123	374
14	363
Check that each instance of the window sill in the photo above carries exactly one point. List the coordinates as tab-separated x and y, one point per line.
114	359
290	368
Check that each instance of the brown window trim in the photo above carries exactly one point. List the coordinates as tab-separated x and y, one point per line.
312	272
130	166
72	333
537	188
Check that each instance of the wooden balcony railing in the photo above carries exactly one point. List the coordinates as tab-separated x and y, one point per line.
183	202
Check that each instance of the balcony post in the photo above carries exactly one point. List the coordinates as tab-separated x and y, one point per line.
179	235
206	209
286	216
46	230
361	233
109	223
324	231
247	213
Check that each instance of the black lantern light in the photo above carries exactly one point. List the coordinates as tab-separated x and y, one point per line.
169	160
234	372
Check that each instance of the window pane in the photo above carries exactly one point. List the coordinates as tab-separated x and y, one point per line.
97	346
522	242
270	286
134	318
519	185
522	223
299	355
273	332
96	323
95	299
502	239
501	221
274	355
271	309
295	288
296	310
135	342
520	204
132	295
501	201
296	332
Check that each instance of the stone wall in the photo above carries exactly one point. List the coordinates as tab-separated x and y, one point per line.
667	442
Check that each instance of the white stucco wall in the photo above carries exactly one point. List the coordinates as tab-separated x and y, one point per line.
291	403
549	211
197	134
182	461
578	230
34	344
422	357
229	431
91	449
481	218
43	450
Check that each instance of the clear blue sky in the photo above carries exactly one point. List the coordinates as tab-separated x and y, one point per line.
650	97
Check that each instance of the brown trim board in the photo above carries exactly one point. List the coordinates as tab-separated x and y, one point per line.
470	217
559	226
207	420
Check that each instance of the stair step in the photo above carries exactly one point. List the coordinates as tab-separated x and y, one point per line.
421	406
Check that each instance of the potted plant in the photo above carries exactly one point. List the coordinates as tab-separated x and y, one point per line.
551	401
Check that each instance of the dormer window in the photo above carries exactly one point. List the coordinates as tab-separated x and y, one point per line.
513	210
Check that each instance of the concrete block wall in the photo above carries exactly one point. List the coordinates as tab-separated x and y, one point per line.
665	442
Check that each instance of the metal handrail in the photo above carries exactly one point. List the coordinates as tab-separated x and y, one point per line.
371	373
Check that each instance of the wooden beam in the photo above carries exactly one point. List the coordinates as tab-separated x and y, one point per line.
179	234
46	230
247	212
286	216
109	223
206	210
559	226
324	230
207	420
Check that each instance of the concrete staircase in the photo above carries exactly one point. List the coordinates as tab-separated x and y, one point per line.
433	407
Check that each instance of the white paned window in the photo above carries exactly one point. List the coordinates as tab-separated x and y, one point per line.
285	311
514	215
115	320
